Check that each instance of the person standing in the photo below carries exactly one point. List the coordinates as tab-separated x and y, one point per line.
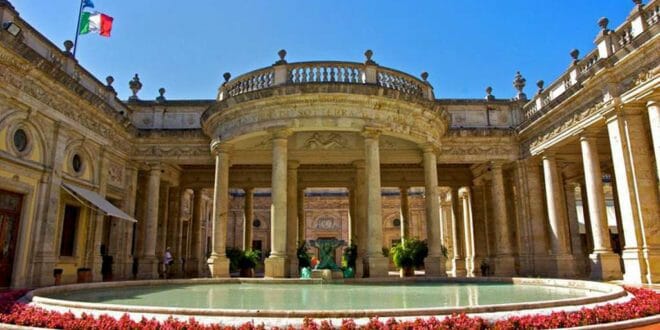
168	260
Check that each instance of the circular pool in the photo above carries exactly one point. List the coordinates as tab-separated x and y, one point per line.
310	298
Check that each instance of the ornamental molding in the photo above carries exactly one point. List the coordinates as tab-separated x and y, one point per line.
71	110
478	150
159	151
329	141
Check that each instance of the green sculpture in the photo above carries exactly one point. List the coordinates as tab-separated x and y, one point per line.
326	252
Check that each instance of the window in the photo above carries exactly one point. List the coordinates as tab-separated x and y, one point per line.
396	222
20	140
256	223
76	163
69	228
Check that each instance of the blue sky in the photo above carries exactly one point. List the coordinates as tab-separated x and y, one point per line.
185	46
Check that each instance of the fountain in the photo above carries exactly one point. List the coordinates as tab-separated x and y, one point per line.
327	269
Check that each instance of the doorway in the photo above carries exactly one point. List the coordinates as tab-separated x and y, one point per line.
10	215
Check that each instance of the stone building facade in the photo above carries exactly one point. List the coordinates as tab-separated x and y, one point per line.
347	150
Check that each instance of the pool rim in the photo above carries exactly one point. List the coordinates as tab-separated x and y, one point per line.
608	292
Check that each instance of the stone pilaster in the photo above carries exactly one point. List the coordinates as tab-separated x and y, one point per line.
360	217
218	262
503	261
435	262
276	264
148	264
45	246
653	108
604	263
458	234
573	228
130	251
637	189
559	240
374	262
479	224
94	251
248	218
292	217
405	213
193	264
163	219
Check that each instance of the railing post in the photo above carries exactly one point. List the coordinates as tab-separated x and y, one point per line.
281	69
223	92
370	69
604	39
428	89
637	20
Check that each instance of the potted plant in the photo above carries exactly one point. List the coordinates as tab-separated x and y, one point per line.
408	255
348	260
247	260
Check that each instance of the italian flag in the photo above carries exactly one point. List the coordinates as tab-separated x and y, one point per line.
95	22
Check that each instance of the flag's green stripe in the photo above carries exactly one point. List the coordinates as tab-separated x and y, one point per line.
84	23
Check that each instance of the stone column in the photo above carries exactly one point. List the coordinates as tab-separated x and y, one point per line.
163	219
446	225
573	228
173	224
638	195
653	107
458	234
469	232
539	233
292	217
131	179
604	263
276	264
404	213
559	239
375	264
587	218
148	264
218	263
504	262
352	229
193	264
301	215
360	218
96	229
248	211
435	262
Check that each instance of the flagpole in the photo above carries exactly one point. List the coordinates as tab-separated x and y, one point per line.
75	42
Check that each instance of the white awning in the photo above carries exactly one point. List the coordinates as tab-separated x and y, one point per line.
98	201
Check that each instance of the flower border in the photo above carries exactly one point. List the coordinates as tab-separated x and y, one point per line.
644	303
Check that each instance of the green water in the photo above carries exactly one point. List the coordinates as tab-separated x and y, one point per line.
322	296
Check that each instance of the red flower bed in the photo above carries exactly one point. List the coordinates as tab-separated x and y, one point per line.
645	303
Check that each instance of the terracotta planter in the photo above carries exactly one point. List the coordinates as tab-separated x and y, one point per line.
407	271
246	272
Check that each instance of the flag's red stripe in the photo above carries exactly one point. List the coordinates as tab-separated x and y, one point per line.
106	25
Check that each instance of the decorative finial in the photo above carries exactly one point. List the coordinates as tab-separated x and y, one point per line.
425	75
282	55
368	54
161	98
109	80
227	76
637	2
519	84
135	85
539	84
68	46
602	22
489	94
575	53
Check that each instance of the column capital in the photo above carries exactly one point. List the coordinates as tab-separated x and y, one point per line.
549	155
218	147
427	148
292	164
248	190
155	167
280	133
371	132
495	165
653	102
465	193
359	164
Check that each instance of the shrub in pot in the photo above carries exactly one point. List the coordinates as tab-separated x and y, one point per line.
247	260
408	255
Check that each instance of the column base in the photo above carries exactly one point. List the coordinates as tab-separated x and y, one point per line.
605	266
435	266
276	267
505	266
458	268
359	267
294	270
147	268
218	266
566	267
638	264
469	266
42	275
192	267
543	266
376	266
